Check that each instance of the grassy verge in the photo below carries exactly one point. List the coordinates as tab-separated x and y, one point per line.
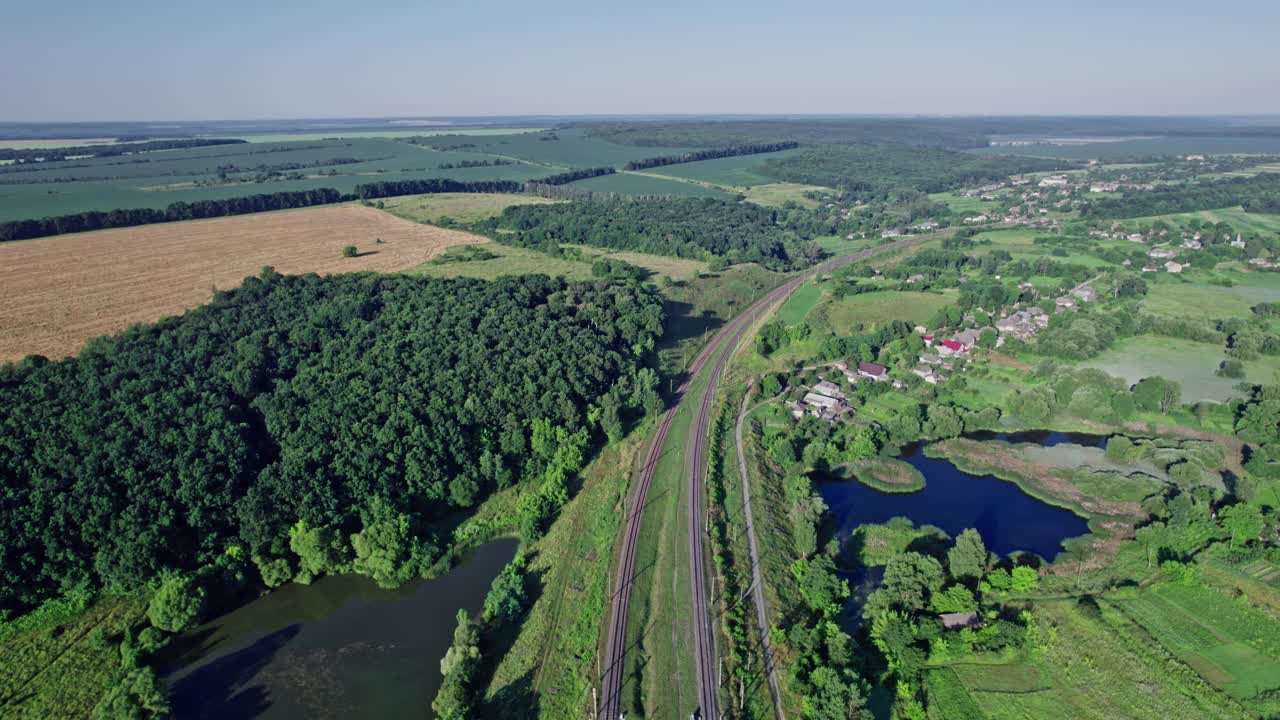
64	667
551	666
660	672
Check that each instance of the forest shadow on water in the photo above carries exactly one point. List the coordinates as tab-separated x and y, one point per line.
224	688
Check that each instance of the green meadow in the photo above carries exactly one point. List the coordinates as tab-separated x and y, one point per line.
1190	363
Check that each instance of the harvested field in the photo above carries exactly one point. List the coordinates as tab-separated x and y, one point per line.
55	293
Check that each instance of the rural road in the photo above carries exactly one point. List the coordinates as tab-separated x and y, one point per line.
757	582
721	344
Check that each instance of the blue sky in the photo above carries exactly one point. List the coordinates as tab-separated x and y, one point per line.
180	59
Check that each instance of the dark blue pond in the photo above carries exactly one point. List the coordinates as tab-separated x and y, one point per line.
1008	519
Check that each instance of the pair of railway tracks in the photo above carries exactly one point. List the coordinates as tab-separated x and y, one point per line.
721	348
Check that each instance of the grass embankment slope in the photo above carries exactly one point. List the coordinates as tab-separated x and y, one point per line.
60	291
549	668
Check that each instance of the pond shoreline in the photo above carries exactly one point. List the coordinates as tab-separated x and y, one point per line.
338	647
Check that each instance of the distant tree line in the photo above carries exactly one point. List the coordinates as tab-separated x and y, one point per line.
21	155
1255	193
875	172
476	163
684	227
428	186
96	220
565	178
301	425
697	155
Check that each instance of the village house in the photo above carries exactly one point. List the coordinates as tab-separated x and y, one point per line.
968	338
1161	253
1149	268
1137	237
1237	243
1192	244
1053	181
926	373
915	279
930	359
1260	262
1173	267
1064	302
829	389
950	348
873	371
1084	293
891	233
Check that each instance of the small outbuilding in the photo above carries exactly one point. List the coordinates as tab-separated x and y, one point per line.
960	620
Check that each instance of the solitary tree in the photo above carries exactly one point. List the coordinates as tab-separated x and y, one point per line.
349	251
968	559
177	603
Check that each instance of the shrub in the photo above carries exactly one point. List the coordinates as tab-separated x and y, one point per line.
349	251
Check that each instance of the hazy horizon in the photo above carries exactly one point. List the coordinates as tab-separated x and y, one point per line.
84	62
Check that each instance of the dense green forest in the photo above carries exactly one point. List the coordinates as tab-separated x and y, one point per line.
1256	194
697	155
876	170
685	227
309	424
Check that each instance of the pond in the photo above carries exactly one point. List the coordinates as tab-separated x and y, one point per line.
1008	519
340	647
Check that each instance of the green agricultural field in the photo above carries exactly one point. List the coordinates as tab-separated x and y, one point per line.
876	307
628	183
462	208
518	261
844	246
1232	645
1236	217
1190	363
157	179
779	194
1097	668
560	148
385	134
1176	298
740	170
1020	242
804	299
963	203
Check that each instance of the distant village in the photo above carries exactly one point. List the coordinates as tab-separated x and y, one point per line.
946	356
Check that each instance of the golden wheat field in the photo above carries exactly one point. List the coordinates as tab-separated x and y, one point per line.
57	292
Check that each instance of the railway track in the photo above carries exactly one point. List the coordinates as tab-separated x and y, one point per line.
721	347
